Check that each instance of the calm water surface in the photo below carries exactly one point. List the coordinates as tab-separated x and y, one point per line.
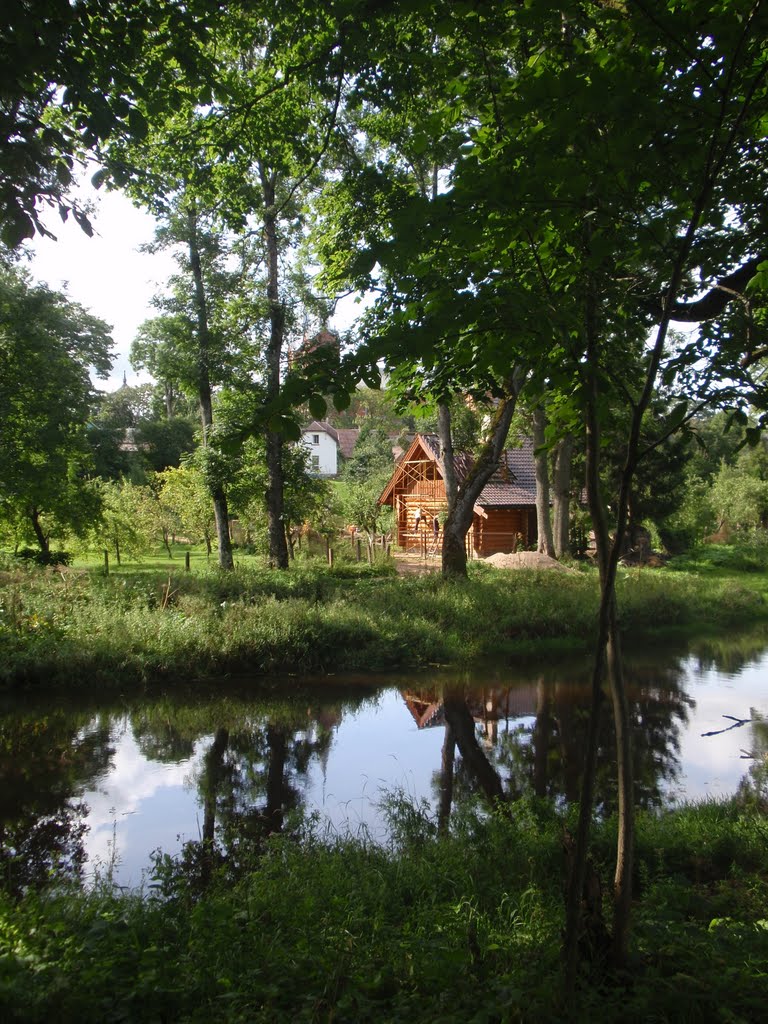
98	787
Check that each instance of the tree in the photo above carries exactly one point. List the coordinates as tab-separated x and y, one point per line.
565	232
48	344
183	491
72	78
256	191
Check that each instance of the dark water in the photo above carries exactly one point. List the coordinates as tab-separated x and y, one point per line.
91	786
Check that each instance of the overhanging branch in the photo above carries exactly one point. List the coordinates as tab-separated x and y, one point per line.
716	299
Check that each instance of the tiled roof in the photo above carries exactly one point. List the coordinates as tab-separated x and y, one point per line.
513	483
347	439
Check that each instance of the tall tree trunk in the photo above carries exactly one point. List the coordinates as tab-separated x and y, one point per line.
561	495
220	511
42	539
461	510
574	921
541	463
169	399
608	551
278	548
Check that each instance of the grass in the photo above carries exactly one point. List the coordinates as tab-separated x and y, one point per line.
463	927
154	623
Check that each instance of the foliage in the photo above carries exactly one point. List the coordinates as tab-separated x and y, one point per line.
70	81
371	459
152	624
184	493
47	346
461	927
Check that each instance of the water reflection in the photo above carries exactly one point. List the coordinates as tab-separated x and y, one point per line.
208	772
44	760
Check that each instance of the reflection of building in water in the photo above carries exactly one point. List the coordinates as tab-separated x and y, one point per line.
487	708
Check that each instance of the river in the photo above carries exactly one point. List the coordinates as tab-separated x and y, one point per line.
94	787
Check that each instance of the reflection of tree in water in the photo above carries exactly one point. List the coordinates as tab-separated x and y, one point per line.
753	788
162	735
728	652
544	753
253	769
46	761
530	738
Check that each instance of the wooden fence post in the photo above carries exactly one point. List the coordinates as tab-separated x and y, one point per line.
106	562
359	551
186	561
330	557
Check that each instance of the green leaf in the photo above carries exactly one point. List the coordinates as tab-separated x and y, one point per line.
98	179
317	406
341	400
286	426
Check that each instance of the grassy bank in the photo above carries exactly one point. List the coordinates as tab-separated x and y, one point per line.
135	626
461	928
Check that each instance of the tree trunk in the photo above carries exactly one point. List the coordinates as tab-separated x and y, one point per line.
561	495
461	510
278	549
42	540
220	512
575	922
169	399
545	544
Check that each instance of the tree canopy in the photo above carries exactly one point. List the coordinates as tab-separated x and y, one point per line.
48	346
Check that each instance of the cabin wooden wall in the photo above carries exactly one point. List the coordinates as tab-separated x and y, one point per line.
505	529
411	537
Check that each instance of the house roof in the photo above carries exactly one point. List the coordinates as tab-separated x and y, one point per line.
347	439
320	425
513	483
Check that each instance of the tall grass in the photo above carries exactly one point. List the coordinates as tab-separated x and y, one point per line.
65	626
464	927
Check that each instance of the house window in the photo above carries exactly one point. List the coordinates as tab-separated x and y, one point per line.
315	439
315	462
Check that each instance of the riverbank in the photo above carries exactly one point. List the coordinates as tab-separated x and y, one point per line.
75	627
461	927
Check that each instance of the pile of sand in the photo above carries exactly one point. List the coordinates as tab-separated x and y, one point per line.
525	560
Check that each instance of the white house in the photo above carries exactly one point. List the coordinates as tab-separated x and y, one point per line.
321	442
324	443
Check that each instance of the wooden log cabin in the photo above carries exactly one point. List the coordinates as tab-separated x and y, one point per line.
505	513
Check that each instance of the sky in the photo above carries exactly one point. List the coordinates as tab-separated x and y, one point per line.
107	274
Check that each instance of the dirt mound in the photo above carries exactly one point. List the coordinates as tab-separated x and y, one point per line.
525	560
